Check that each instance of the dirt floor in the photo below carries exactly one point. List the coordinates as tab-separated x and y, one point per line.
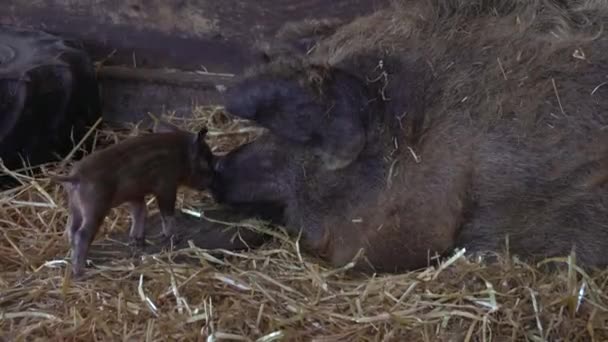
183	293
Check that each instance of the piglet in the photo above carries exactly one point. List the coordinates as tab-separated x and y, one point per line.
155	163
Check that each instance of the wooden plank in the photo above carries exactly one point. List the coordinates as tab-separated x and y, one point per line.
184	34
195	80
128	94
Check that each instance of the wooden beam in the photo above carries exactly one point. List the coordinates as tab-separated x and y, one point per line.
178	78
128	94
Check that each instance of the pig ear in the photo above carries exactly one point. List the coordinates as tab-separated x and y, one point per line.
340	153
202	134
278	103
198	145
199	137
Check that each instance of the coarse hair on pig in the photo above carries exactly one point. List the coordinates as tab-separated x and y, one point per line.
431	125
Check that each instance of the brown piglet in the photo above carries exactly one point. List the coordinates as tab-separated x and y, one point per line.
155	163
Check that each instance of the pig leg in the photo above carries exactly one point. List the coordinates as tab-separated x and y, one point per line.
138	220
83	237
166	206
82	242
74	218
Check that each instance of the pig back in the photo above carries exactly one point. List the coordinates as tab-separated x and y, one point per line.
140	163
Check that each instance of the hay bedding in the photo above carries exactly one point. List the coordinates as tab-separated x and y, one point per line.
184	293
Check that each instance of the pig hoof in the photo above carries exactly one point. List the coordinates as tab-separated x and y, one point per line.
77	273
172	239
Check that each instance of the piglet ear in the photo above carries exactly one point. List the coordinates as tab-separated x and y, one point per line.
199	147
199	137
202	133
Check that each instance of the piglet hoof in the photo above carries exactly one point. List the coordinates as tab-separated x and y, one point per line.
172	240
137	243
77	272
78	266
167	233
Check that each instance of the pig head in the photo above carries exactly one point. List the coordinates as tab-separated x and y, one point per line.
327	161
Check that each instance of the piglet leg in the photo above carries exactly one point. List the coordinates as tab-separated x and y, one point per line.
74	219
82	240
138	220
166	205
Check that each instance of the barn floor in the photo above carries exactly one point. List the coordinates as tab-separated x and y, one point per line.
275	293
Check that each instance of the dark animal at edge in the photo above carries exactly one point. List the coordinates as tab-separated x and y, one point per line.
155	163
432	125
